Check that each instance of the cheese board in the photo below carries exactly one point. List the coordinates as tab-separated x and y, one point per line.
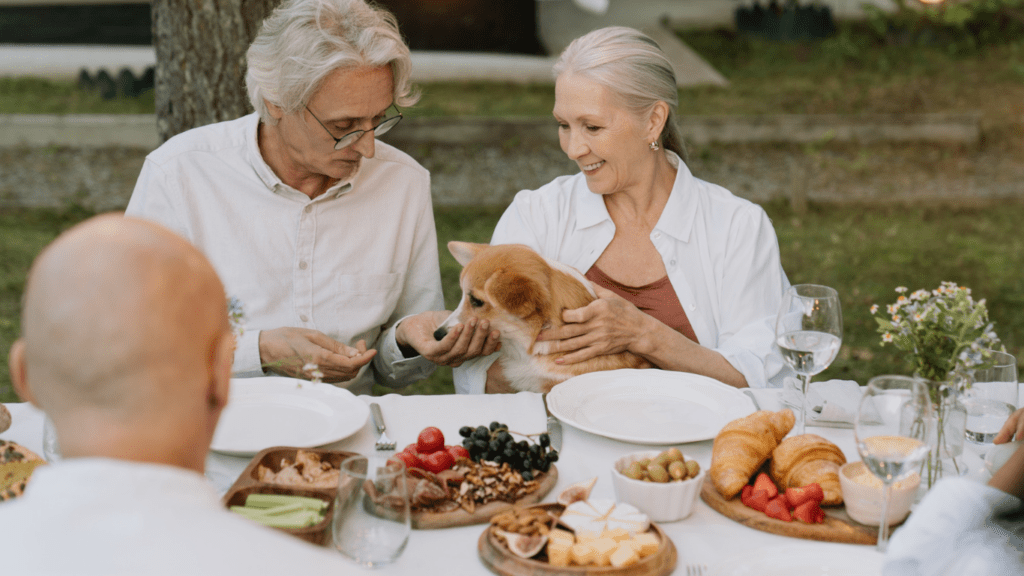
500	560
838	526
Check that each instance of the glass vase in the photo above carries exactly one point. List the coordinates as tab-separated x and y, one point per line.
947	434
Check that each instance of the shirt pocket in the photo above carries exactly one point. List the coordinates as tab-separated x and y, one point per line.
366	301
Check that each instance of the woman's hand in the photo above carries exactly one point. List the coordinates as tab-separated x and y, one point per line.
1013	428
608	325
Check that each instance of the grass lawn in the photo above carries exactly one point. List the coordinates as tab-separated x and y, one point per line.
863	252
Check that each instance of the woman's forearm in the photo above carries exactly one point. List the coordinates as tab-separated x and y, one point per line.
670	350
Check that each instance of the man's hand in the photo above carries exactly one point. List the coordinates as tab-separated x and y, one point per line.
1013	429
287	350
460	344
608	325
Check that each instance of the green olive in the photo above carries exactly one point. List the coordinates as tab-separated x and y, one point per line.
662	460
634	471
677	470
674	455
657	473
692	468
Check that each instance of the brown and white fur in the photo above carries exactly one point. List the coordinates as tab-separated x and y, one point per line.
520	293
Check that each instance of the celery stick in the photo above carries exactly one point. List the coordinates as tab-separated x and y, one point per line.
269	500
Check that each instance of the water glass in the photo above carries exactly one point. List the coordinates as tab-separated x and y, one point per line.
51	448
991	398
371	522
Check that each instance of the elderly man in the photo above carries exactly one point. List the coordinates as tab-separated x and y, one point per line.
126	346
324	234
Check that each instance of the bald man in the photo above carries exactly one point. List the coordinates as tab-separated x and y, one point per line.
126	346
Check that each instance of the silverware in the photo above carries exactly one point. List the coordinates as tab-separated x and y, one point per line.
696	569
750	394
555	433
383	442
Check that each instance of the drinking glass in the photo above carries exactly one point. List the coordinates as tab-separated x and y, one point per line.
51	447
371	514
809	331
893	421
991	398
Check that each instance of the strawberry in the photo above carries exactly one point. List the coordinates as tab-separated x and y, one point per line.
778	508
757	500
748	490
763	482
810	493
809	512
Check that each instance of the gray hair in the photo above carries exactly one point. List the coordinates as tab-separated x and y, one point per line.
302	41
632	66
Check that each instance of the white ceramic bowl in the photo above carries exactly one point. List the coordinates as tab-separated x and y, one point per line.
863	499
662	502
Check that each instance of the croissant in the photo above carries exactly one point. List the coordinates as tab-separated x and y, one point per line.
801	460
742	447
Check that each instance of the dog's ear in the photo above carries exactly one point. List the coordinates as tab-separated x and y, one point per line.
465	251
520	295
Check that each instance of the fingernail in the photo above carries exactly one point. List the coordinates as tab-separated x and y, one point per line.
472	323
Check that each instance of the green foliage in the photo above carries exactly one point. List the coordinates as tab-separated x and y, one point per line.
957	25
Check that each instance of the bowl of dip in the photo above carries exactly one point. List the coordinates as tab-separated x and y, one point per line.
863	491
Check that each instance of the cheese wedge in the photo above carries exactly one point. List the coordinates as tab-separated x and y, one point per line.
647	544
624	556
583	554
604	514
604	547
558	535
617	534
559	553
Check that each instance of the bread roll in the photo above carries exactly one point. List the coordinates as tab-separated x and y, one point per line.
742	447
808	458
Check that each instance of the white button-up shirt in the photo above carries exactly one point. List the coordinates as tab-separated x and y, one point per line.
350	263
720	253
100	516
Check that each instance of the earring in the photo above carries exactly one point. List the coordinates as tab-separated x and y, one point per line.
655	145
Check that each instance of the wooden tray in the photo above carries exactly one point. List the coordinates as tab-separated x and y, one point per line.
426	520
838	526
498	559
271	458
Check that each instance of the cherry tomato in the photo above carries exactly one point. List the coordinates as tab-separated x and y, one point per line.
411	460
457	452
438	461
411	448
430	440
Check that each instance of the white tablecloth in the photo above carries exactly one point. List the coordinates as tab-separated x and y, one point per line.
706	537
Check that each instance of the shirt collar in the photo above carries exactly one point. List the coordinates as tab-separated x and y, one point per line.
74	476
677	217
271	179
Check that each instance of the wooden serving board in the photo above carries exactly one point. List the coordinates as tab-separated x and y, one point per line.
500	560
427	520
838	526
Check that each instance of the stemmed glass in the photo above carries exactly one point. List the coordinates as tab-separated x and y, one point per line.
371	513
891	430
808	331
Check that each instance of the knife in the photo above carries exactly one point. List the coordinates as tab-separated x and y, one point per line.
555	433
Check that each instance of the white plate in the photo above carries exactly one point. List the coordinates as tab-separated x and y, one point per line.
277	411
648	406
819	560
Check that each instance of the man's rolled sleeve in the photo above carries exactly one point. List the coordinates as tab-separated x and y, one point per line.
392	368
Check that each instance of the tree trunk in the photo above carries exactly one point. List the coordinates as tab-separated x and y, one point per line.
200	60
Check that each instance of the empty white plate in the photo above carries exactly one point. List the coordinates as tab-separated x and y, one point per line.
277	411
648	406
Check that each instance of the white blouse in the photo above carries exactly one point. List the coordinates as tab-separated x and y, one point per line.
720	252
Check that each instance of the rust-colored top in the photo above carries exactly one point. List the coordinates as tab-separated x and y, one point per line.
657	299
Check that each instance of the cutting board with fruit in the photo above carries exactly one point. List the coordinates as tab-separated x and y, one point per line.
428	520
498	558
837	527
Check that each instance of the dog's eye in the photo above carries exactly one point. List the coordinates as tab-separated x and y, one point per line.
475	302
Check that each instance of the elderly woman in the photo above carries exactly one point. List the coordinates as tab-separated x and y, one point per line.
688	275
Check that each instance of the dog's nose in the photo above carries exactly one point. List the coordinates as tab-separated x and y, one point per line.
440	333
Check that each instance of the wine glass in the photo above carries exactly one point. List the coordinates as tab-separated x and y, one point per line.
808	331
991	398
371	521
892	426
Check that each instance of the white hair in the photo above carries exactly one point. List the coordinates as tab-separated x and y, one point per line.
303	41
632	66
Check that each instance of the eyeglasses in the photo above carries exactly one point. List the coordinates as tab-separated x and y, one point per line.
350	138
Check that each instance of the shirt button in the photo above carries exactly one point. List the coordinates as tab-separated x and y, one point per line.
693	307
304	318
308	209
657	234
672	262
302	265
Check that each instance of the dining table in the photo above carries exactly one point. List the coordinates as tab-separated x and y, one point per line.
705	539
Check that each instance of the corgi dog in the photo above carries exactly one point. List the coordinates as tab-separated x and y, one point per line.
520	293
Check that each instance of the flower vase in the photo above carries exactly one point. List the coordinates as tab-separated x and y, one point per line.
948	430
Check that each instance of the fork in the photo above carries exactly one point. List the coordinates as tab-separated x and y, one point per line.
696	569
383	442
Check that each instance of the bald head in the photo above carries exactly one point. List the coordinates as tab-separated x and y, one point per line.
122	319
